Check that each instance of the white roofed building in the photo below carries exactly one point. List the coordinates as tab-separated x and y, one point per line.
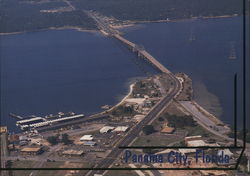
191	138
87	138
196	143
106	129
121	129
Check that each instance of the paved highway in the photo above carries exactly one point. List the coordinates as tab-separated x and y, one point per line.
205	121
155	111
133	133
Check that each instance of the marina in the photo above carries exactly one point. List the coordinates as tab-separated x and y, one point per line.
35	122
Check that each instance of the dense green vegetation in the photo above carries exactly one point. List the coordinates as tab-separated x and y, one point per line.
148	129
53	140
17	15
180	121
123	111
161	9
65	139
25	15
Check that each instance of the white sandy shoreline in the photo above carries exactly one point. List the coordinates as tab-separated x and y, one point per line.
124	98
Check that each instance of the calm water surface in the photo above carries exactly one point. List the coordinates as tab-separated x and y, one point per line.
205	59
66	70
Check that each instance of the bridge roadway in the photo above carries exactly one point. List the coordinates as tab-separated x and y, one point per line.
155	111
103	26
134	132
143	53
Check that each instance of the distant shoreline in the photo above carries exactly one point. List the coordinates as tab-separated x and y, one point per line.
184	19
50	28
130	24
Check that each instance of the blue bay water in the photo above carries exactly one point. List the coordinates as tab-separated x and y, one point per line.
205	60
66	70
61	71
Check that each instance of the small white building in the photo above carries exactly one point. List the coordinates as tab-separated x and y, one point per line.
191	138
106	129
121	129
196	143
87	138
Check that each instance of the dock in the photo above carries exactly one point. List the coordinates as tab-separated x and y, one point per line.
16	116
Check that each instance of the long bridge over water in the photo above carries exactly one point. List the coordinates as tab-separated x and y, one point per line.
154	112
141	52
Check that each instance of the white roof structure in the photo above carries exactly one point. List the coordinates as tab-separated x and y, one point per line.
29	120
106	129
87	138
121	129
45	123
66	118
196	143
73	152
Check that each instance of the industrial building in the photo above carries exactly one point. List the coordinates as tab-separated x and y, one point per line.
196	143
191	138
71	152
31	151
106	129
121	129
87	138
